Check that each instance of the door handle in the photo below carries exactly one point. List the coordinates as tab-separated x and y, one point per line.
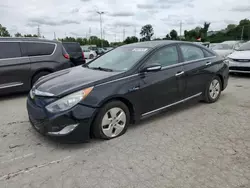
208	63
179	73
134	88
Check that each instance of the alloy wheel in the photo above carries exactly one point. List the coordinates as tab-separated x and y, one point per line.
113	122
214	89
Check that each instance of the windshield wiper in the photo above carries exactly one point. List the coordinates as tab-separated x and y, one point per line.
101	68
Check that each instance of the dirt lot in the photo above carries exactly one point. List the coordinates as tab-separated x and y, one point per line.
191	146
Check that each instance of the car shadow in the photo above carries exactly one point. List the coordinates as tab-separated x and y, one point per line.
13	96
168	112
240	75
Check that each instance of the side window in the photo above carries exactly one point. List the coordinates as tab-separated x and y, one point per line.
191	52
9	50
165	56
37	49
207	53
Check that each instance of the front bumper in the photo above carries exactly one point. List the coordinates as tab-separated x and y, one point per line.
239	67
73	124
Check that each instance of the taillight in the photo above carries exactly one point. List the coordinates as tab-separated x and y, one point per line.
66	56
83	56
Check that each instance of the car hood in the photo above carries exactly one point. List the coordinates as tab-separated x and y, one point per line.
240	55
69	80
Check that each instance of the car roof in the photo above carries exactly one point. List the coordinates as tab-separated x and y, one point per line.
156	44
27	39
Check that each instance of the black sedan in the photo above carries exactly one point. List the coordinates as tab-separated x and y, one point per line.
123	86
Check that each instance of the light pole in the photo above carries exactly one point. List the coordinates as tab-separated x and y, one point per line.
100	13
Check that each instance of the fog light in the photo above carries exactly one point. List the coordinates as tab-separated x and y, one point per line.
66	130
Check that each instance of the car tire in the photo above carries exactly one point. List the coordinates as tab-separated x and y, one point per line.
111	121
213	90
37	76
91	56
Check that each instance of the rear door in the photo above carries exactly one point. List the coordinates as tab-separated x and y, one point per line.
197	62
14	68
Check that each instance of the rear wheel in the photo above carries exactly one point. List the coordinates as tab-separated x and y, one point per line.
213	90
91	56
111	121
37	76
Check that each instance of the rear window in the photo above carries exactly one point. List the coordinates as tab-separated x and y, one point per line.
37	49
9	50
72	47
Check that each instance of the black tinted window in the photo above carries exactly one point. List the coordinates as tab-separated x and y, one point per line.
9	50
37	49
72	47
191	52
166	56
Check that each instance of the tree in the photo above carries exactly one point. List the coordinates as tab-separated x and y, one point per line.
167	37
18	35
130	40
30	35
147	32
4	32
173	35
231	26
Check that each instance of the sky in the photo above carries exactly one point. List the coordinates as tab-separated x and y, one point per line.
121	18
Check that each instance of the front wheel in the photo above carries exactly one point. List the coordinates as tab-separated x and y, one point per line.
213	90
111	121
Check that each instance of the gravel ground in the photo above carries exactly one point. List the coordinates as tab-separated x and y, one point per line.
195	145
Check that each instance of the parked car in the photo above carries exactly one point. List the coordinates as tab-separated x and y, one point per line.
127	84
223	49
24	60
89	54
239	60
75	51
227	47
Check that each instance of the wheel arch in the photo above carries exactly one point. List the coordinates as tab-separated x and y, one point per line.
222	80
125	101
38	71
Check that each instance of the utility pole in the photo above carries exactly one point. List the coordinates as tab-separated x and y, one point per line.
100	13
104	34
89	36
54	35
115	37
242	32
135	31
180	30
123	34
38	32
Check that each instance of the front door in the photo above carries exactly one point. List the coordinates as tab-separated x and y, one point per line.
162	88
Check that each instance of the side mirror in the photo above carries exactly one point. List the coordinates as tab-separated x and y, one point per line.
152	67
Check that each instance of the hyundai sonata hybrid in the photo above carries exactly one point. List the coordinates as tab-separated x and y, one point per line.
131	82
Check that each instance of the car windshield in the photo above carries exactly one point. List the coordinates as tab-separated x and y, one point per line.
221	47
119	59
244	47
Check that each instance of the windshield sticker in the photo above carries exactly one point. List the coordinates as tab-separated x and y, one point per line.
139	49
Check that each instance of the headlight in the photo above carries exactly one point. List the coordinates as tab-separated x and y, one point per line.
69	101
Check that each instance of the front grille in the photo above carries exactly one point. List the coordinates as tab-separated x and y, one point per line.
242	60
240	68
